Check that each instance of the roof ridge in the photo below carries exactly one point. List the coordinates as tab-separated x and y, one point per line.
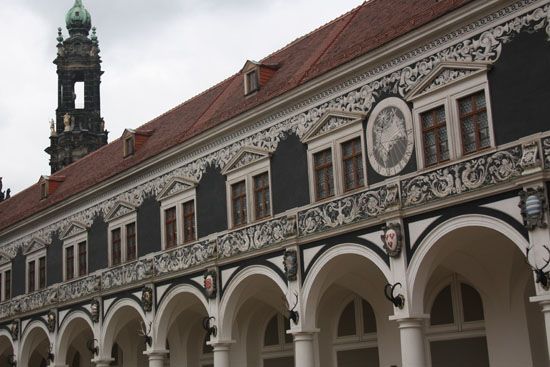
323	26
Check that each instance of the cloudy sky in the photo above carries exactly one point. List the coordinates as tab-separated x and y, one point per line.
156	54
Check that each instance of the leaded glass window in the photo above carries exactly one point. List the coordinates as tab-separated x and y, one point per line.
262	203
434	136
352	162
474	124
238	200
324	175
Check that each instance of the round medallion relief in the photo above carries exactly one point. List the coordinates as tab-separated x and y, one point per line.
390	139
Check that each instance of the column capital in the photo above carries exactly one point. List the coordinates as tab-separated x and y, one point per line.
411	321
221	345
303	334
156	353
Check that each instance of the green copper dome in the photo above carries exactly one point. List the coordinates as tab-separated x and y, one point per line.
78	19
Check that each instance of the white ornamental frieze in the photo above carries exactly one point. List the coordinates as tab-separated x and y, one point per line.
462	177
350	209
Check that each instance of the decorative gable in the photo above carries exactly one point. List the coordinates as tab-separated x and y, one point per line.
35	245
74	229
245	157
330	122
444	74
176	186
120	209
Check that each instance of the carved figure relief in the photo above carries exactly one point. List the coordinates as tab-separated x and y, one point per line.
290	262
147	299
210	284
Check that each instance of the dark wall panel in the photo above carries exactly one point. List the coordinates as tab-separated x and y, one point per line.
54	260
18	275
289	176
211	203
519	83
148	226
97	245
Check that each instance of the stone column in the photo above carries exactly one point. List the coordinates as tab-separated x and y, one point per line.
304	352
221	354
413	353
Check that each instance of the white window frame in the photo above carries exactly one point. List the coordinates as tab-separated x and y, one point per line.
75	241
247	174
35	256
334	142
448	97
3	269
459	328
122	222
177	201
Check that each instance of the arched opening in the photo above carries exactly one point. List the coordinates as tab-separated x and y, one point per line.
252	309
473	281
345	301
122	339
179	328
74	338
6	350
35	347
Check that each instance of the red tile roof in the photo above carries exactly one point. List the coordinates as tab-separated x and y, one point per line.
355	33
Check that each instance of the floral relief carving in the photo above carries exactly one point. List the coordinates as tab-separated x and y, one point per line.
486	47
348	210
462	177
185	257
127	274
447	76
79	288
256	237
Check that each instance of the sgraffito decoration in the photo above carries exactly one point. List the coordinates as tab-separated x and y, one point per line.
471	43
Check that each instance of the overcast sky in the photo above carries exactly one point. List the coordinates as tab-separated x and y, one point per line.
156	54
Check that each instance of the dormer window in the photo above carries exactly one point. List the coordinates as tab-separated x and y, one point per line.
252	83
133	140
48	184
256	75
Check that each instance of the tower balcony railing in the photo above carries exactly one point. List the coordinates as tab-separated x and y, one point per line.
468	178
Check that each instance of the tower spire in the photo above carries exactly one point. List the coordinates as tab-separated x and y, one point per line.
79	128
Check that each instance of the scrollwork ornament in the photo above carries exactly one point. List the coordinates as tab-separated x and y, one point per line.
210	283
530	158
484	43
392	238
290	263
147	299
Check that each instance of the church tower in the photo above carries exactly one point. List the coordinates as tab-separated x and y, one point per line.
79	128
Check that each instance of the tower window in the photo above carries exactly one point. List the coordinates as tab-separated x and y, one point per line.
79	95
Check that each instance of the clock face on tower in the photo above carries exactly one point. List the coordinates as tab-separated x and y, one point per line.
390	139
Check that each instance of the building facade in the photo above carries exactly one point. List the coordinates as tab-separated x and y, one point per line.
373	194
